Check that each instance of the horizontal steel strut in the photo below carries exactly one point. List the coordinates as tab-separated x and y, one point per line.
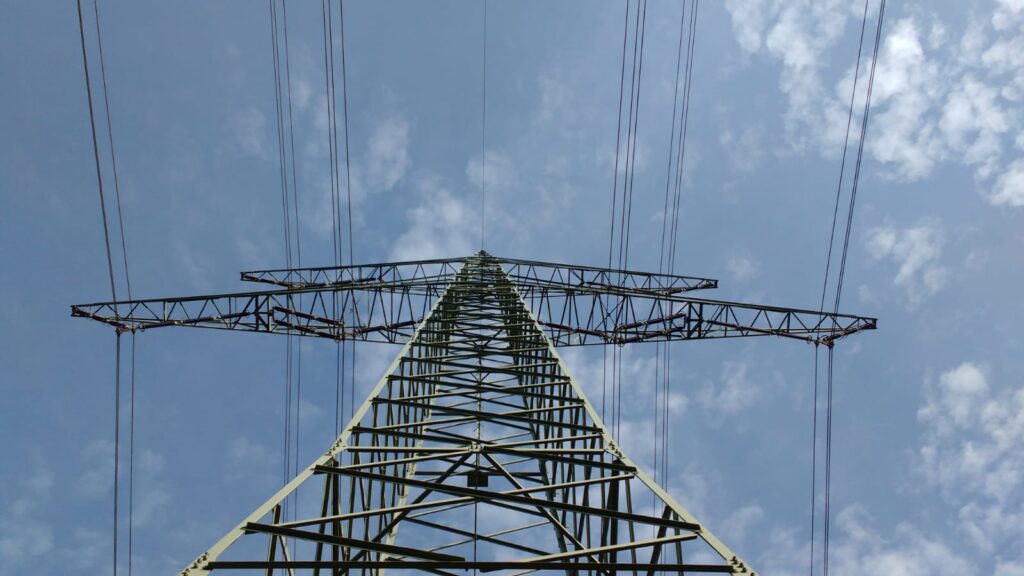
574	305
475	451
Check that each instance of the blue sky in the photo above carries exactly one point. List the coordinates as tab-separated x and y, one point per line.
928	472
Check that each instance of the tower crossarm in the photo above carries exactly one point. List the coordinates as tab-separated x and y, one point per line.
585	305
524	274
381	311
427	272
384	303
574	318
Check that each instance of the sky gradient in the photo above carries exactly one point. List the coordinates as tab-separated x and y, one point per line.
928	471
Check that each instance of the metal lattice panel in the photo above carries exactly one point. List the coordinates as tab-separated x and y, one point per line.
476	451
574	305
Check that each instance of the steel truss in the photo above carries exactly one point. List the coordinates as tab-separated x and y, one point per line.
476	451
575	305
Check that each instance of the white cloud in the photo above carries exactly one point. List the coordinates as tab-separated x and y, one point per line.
1009	189
248	459
1010	569
960	393
388	159
972	109
733	392
248	125
975	435
1007	13
742	268
500	173
441	226
973	449
242	450
24	537
907	87
988	525
749	19
935	101
917	251
734	529
197	264
858	547
746	149
909	552
97	480
797	34
302	94
639	438
691	488
934	107
554	95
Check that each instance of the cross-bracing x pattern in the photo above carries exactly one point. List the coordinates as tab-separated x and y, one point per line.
476	451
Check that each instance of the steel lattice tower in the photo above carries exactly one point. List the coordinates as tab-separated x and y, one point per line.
477	450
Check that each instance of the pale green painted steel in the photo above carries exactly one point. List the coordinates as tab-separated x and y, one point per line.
477	314
196	567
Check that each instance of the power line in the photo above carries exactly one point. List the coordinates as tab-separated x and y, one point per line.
298	243
110	270
291	136
344	100
860	154
630	136
110	141
839	287
615	189
483	131
280	133
348	185
131	459
128	285
672	136
291	389
842	273
626	207
332	135
662	365
96	154
683	128
824	286
631	162
124	255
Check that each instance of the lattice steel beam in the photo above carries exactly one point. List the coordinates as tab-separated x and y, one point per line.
476	451
575	305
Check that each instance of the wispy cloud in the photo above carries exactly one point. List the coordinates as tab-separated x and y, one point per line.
733	392
248	125
973	449
859	547
935	100
917	252
440	225
500	172
388	154
742	267
746	148
24	536
1009	188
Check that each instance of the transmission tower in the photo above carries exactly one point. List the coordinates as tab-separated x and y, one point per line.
477	450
